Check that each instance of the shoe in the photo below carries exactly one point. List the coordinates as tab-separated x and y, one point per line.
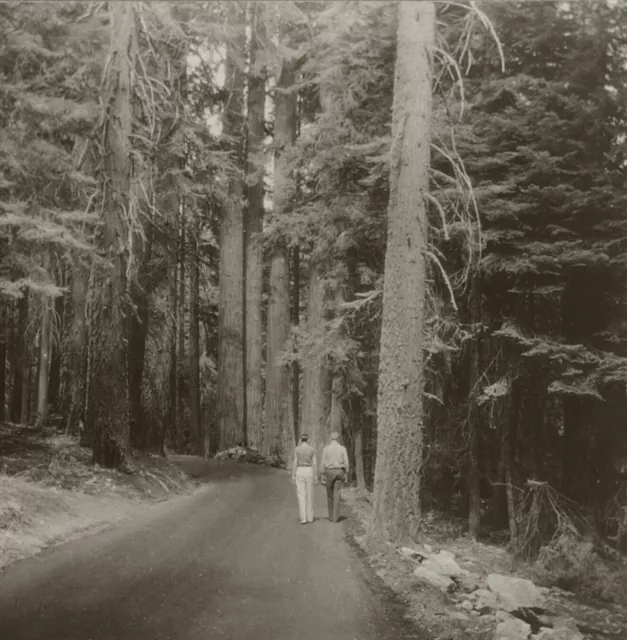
303	523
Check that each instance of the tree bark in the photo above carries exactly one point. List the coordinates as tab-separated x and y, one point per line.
230	407
194	340
4	328
181	360
54	378
109	387
317	380
295	320
279	433
21	358
45	354
401	375
253	251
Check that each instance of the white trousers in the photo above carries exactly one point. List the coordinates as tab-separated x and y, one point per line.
305	493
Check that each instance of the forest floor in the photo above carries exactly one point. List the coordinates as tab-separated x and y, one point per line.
51	493
447	615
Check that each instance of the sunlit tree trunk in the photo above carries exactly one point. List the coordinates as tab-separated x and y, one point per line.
109	388
317	379
401	375
253	250
279	434
230	392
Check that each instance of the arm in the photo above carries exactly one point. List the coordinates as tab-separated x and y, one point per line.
294	463
345	460
315	468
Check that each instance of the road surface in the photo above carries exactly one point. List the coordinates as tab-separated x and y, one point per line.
232	561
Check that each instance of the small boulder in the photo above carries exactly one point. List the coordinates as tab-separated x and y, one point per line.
484	599
466	605
444	563
563	629
515	593
444	583
413	554
512	629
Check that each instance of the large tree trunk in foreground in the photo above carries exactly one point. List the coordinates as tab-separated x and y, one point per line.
4	332
253	228
401	376
316	376
279	434
230	392
109	384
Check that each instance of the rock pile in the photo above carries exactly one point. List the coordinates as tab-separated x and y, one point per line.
516	605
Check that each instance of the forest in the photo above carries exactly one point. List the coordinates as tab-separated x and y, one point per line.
224	224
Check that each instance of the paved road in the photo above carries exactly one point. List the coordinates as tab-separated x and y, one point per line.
231	561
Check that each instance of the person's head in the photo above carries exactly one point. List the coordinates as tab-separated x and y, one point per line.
335	436
304	437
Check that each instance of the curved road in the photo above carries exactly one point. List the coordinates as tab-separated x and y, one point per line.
231	561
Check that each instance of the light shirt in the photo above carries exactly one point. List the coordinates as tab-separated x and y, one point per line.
334	456
304	455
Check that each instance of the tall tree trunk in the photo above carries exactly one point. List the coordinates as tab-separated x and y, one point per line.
181	361
4	329
21	358
253	251
473	480
194	340
295	320
230	392
109	387
401	375
54	384
279	433
317	379
45	354
172	335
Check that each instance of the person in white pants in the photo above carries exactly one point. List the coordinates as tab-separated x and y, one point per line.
304	476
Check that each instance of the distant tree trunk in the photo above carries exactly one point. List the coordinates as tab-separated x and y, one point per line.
401	375
230	392
21	358
54	387
194	340
358	447
279	434
295	320
4	329
180	376
317	379
172	335
77	346
27	389
109	387
473	480
253	227
45	354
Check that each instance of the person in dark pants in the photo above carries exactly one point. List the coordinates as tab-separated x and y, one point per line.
334	465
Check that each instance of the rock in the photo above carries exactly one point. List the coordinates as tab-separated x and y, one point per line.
512	629
484	599
515	593
444	564
563	629
458	615
434	579
468	583
466	605
413	554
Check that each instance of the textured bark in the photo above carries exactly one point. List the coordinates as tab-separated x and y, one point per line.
180	308
230	392
21	358
45	355
4	328
279	432
172	333
317	378
253	227
109	386
77	347
359	458
401	375
296	371
54	377
194	341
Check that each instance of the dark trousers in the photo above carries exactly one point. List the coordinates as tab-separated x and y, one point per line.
335	479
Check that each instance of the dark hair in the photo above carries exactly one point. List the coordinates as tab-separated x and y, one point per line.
304	437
